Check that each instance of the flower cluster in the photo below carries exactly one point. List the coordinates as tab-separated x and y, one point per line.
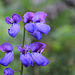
32	53
28	58
35	24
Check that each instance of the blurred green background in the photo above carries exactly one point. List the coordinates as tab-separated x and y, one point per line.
60	41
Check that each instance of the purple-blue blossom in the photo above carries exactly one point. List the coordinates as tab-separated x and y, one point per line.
14	20
9	56
8	71
35	24
37	48
28	58
25	56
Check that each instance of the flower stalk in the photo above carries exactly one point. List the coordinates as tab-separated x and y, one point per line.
21	72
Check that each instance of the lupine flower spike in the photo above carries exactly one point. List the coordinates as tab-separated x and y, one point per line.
29	54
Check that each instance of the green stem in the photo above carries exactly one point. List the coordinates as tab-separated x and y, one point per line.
21	72
23	37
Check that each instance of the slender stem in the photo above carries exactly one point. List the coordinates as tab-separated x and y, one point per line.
21	69
21	72
23	37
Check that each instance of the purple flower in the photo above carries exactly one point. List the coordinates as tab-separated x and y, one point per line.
8	71
37	47
9	56
6	47
25	56
39	59
35	24
14	20
26	59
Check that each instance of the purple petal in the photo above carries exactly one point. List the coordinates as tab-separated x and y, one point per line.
36	35
29	27
28	17
7	59
24	49
45	63
29	45
13	31
39	59
8	20
37	47
19	48
8	71
16	18
43	28
39	17
6	47
26	59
